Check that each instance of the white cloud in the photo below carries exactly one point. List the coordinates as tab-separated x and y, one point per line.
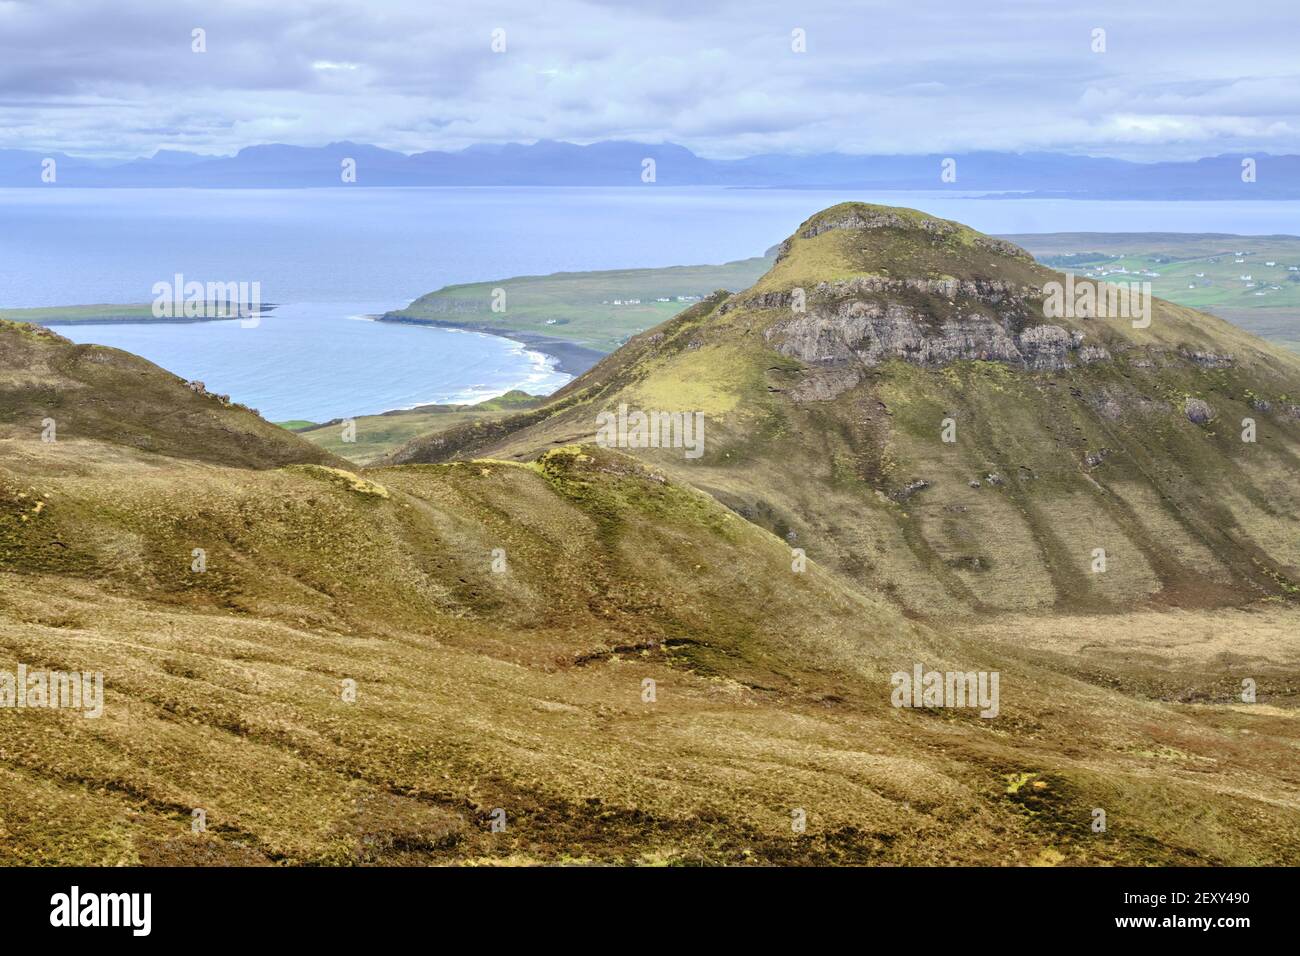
94	76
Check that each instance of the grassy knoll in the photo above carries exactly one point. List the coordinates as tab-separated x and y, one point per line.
524	691
370	437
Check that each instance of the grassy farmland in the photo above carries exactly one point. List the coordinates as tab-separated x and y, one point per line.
1200	271
596	309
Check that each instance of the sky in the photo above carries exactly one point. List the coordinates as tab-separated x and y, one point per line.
1175	80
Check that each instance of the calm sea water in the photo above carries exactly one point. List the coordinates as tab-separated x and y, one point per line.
318	361
327	256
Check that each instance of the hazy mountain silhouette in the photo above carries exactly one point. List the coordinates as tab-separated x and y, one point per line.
616	163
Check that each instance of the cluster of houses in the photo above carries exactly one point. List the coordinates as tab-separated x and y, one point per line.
1272	264
1238	257
1120	270
662	298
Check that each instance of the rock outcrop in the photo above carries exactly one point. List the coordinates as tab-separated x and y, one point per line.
860	334
1198	411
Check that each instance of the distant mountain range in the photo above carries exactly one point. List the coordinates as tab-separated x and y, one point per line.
614	163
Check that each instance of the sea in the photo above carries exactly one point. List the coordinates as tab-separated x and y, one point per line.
330	259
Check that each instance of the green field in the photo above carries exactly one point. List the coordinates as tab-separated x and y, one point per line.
81	313
104	312
1201	271
597	309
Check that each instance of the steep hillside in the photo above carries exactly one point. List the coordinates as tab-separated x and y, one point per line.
896	397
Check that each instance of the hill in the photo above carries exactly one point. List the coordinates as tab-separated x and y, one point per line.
1070	434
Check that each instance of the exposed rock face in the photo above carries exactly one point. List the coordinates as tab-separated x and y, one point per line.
872	220
1208	359
838	340
1002	248
991	292
825	383
1117	402
199	388
853	323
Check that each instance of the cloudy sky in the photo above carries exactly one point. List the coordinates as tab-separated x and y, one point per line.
1177	79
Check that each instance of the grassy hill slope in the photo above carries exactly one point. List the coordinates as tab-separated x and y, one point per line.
524	690
90	392
373	436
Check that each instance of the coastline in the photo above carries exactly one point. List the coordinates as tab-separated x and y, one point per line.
570	357
130	320
127	318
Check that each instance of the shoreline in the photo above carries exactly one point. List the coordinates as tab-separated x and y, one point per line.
570	357
127	320
130	319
